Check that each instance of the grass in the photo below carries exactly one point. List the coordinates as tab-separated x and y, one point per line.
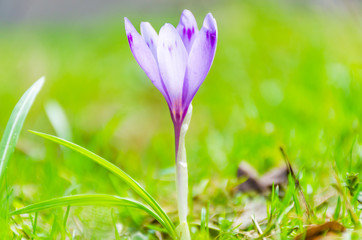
284	75
161	216
8	144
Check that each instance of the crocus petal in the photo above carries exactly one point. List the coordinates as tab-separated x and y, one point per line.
200	58
150	36
144	56
187	28
172	60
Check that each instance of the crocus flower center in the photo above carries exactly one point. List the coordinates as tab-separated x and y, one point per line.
177	111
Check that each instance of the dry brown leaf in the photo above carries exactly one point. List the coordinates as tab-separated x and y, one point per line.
328	230
276	176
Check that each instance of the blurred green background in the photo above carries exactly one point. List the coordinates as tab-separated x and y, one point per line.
286	73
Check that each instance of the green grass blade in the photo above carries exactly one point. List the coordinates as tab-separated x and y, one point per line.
15	124
120	173
337	210
87	200
58	119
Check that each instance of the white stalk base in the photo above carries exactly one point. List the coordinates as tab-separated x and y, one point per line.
182	180
183	231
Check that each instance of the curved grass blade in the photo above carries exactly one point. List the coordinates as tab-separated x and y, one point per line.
58	119
120	173
86	200
14	126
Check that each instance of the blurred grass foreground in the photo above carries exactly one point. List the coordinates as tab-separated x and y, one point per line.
286	73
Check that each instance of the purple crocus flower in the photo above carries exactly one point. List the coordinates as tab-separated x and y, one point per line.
177	60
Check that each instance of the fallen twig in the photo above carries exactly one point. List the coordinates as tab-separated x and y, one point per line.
310	212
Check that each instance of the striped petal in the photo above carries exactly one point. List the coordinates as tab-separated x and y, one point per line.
143	55
172	60
200	58
187	28
150	36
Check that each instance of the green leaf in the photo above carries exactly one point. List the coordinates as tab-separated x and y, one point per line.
14	126
204	222
86	200
121	174
58	119
337	210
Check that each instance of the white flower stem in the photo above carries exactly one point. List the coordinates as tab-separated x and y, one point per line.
182	179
